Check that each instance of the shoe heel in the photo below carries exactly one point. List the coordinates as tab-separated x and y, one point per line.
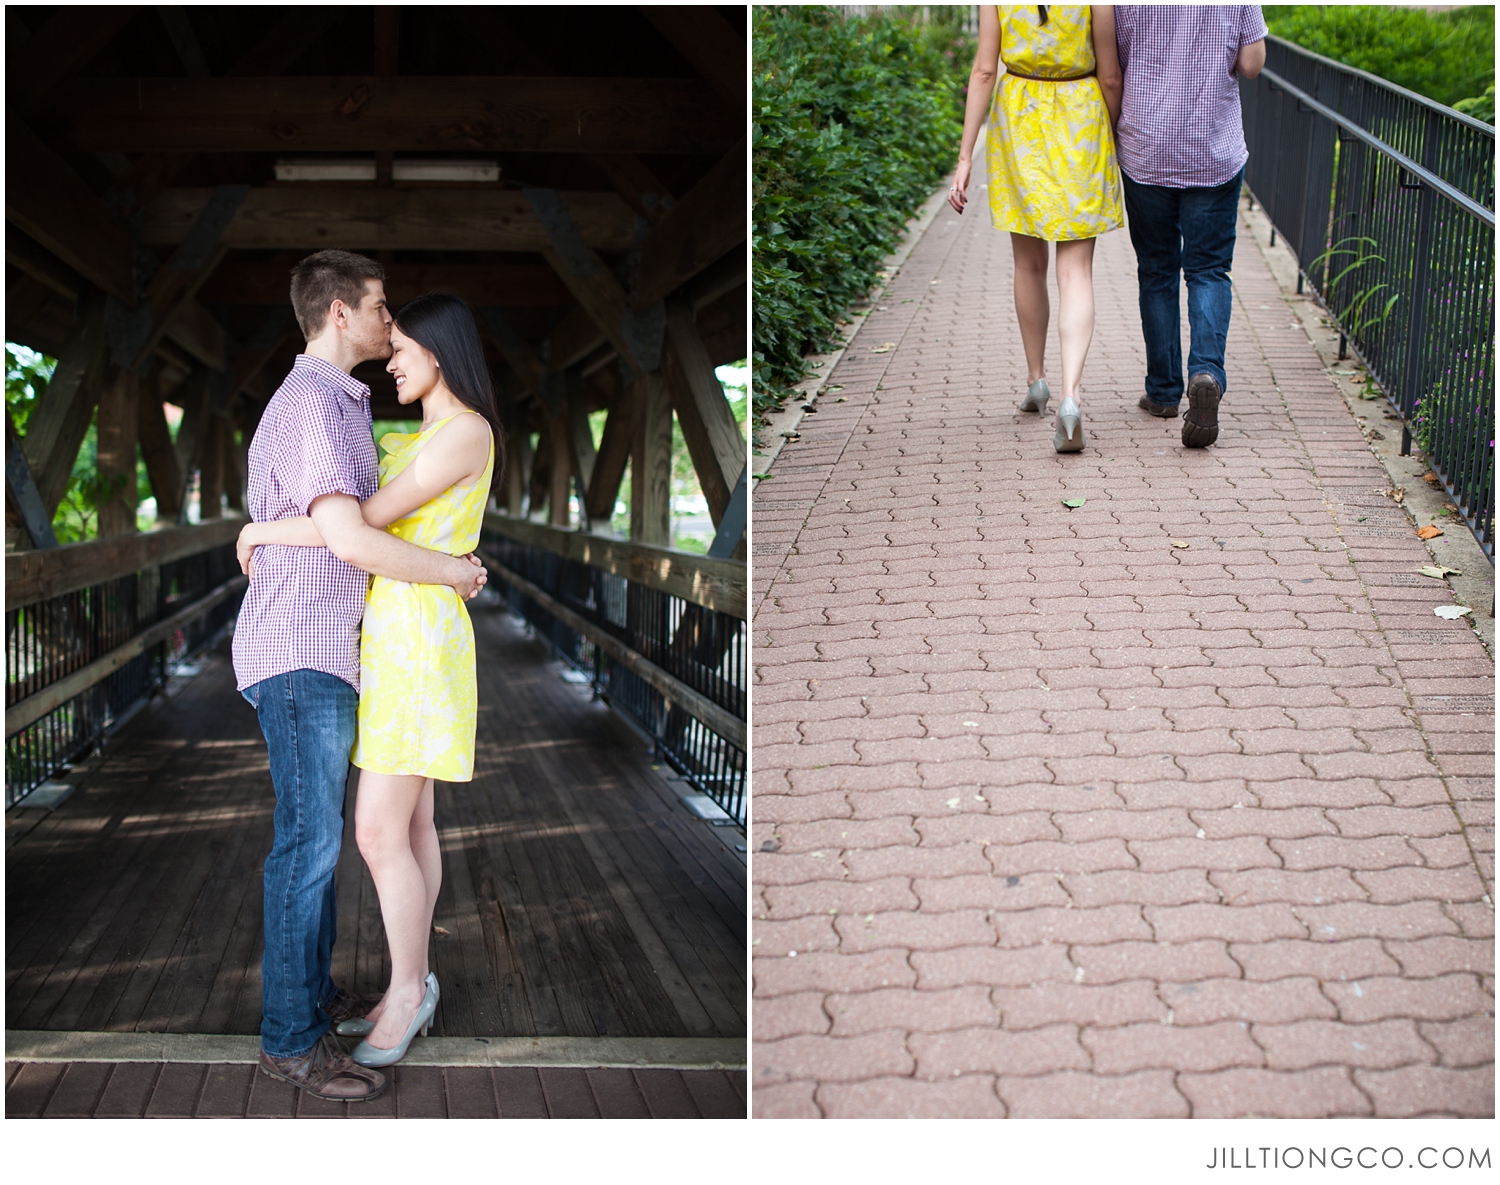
424	1030
1036	397
1068	436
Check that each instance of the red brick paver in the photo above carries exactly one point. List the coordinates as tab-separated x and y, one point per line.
1057	817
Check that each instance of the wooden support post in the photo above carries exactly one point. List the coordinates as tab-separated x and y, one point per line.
560	473
614	452
211	472
713	438
21	491
117	444
541	473
236	468
47	425
651	465
157	450
580	435
58	468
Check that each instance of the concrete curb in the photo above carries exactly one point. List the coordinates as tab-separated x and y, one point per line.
1456	547
663	1053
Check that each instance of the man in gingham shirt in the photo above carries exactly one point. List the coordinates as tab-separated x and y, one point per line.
296	651
1181	144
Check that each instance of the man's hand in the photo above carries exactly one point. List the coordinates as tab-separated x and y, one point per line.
244	551
471	578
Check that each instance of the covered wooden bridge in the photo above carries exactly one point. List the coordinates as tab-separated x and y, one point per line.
579	176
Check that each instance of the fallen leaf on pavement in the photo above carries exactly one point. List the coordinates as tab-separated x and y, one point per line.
1370	393
1429	532
886	348
1394	493
1438	572
792	435
1430	478
1179	542
1074	503
1451	612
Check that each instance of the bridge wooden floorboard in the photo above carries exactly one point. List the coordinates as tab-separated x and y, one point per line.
579	898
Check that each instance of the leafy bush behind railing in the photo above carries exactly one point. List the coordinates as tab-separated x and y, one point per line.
855	121
1448	57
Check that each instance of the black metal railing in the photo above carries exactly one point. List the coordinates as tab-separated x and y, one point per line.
1388	201
54	639
695	715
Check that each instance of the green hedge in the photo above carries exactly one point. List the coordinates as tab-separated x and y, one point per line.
855	122
1446	56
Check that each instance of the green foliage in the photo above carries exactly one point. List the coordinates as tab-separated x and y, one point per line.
855	121
1446	56
26	376
1480	106
1367	306
77	519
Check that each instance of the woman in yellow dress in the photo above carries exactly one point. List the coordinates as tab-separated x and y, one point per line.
1053	177
418	699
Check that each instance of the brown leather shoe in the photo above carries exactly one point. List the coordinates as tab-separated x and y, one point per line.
326	1072
345	1005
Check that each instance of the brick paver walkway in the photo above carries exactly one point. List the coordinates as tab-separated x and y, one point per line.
1054	817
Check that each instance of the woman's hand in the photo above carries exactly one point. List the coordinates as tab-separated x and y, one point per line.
958	193
244	550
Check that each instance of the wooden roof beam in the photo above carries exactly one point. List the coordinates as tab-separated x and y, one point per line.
184	40
332	114
310	218
507	285
71	38
698	230
709	43
52	204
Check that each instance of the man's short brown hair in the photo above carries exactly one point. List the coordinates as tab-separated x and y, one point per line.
325	277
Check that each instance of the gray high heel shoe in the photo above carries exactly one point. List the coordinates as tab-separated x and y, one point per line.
1036	397
366	1054
1068	438
359	1027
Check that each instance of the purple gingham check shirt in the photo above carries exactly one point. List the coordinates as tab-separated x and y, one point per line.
1180	122
304	604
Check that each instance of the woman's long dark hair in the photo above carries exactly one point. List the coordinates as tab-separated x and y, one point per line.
444	324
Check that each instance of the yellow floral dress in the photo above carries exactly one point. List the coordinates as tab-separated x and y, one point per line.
418	700
1051	154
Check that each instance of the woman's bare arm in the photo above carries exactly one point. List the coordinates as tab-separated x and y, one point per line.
981	88
1107	60
456	455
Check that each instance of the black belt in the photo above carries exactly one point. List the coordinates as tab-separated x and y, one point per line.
1039	78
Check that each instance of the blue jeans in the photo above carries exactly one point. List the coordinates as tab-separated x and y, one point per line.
1179	232
308	719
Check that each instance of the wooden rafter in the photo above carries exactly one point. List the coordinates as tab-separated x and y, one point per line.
314	217
405	114
239	280
71	38
698	230
708	42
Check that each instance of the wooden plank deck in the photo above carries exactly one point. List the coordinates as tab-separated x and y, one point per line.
580	898
136	1090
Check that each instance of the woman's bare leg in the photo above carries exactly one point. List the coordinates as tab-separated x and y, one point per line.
383	817
1032	306
429	856
1075	314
